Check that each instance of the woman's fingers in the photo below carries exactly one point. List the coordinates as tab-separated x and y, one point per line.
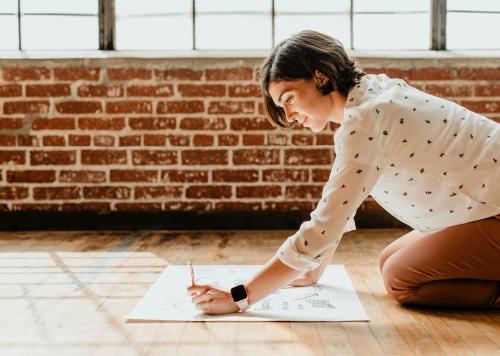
198	289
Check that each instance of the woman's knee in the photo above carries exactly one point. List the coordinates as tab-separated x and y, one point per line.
394	282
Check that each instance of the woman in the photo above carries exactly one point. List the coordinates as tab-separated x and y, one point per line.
429	162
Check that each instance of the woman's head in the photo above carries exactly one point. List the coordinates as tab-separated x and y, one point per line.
306	77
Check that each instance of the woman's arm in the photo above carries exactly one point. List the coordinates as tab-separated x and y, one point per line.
311	277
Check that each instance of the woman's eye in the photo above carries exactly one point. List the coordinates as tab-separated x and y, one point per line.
289	100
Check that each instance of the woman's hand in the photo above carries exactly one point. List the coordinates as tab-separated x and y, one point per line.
211	300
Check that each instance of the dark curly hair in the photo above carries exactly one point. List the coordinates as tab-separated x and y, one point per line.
298	57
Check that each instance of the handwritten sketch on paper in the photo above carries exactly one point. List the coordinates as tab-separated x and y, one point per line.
333	298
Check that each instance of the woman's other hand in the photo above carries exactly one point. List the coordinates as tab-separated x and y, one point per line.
211	300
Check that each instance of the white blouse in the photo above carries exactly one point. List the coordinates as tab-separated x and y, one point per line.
429	162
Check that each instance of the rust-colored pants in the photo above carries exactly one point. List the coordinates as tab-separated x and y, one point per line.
458	267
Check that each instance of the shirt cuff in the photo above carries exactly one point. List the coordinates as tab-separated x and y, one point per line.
350	226
289	255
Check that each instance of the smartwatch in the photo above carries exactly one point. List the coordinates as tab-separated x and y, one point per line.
240	297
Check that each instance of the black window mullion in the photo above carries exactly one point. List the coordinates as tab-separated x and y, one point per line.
438	25
107	25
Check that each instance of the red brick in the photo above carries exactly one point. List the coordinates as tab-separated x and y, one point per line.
448	90
390	72
28	140
187	206
256	157
72	74
26	107
138	207
204	157
12	157
228	140
11	124
31	176
288	206
79	140
231	175
482	106
53	124
132	140
113	124
487	90
104	157
150	90
203	140
277	140
324	140
302	140
320	175
208	192
254	140
199	123
184	176
180	107
154	157
86	206
128	106
260	108
258	192
10	90
205	90
254	123
56	193
22	74
79	107
285	175
157	192
303	192
101	90
129	73
479	73
48	90
155	140
129	175
54	141
250	90
7	141
178	140
237	206
152	123
35	207
12	193
231	107
308	156
178	74
106	192
52	157
229	74
82	177
104	141
433	74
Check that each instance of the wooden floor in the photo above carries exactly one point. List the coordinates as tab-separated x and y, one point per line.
64	293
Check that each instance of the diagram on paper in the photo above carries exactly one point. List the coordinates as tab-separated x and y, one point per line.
333	298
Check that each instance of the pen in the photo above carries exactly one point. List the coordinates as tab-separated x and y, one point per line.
190	265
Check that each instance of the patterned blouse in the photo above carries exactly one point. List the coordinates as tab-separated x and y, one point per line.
429	162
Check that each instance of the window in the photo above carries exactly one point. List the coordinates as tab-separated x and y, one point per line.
239	24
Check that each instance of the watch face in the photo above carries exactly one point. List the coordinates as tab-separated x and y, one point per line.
238	293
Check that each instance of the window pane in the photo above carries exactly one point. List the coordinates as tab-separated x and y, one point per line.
476	5
60	6
476	35
336	26
8	26
162	32
8	6
227	32
135	7
154	24
402	31
312	5
232	5
391	5
60	32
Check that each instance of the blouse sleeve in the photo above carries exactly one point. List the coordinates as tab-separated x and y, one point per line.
357	167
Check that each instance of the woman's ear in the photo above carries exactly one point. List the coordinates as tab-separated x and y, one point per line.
320	79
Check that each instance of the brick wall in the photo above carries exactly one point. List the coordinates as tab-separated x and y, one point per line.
178	134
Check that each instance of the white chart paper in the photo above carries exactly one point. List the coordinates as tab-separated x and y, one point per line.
333	298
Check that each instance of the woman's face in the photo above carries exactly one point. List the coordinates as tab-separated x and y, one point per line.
303	102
